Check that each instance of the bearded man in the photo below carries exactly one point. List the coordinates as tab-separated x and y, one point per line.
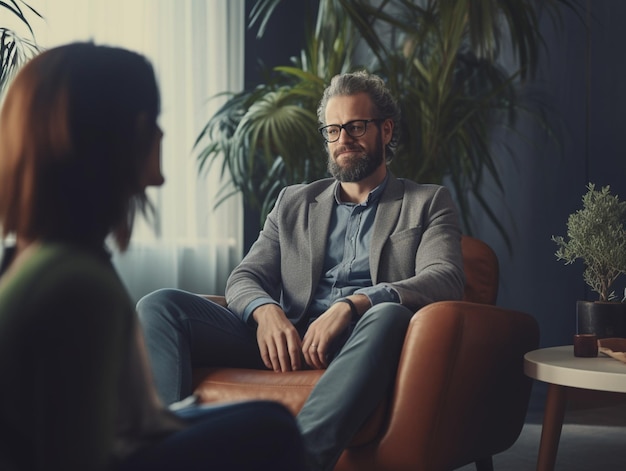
332	281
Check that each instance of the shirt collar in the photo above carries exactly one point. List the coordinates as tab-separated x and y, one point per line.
373	196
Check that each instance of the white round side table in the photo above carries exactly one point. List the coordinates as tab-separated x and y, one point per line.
558	367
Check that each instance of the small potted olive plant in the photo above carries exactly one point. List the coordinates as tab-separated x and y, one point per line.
596	234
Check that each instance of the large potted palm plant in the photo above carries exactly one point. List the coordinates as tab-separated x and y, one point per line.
439	57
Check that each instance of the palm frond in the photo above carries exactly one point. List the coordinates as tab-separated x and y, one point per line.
15	50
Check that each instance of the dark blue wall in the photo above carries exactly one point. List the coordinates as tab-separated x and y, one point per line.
584	78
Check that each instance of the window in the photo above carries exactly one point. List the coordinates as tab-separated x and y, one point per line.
196	48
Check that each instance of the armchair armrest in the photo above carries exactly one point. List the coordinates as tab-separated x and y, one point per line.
460	387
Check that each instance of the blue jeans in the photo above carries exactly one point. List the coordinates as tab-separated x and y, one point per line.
183	330
255	435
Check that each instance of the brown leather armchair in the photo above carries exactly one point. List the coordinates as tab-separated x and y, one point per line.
460	394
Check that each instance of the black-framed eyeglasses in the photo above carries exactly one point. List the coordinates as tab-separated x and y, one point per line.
355	128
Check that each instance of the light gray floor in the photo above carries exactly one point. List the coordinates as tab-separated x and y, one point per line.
593	438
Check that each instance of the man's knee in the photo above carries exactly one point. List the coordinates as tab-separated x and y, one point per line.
156	306
392	314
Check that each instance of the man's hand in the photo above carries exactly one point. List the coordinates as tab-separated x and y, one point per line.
279	341
321	332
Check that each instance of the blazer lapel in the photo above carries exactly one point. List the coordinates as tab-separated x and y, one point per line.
386	220
320	212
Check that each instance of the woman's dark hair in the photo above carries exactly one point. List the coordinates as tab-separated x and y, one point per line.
76	127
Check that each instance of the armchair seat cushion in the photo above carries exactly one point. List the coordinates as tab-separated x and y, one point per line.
290	389
238	384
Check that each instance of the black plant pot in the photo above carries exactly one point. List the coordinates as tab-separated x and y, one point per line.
603	319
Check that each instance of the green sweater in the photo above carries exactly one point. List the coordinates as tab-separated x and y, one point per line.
67	327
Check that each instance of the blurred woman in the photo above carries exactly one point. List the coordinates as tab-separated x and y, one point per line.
79	144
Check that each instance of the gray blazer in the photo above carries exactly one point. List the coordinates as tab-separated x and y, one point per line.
416	247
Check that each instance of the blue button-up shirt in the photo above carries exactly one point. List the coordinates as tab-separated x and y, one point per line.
347	264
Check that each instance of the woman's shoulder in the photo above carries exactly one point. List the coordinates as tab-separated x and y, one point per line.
55	262
62	277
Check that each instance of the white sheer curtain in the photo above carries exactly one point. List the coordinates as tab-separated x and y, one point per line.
196	47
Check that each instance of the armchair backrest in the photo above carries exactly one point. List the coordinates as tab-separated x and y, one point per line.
481	271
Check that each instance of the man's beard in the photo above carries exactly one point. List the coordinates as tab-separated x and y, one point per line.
358	167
